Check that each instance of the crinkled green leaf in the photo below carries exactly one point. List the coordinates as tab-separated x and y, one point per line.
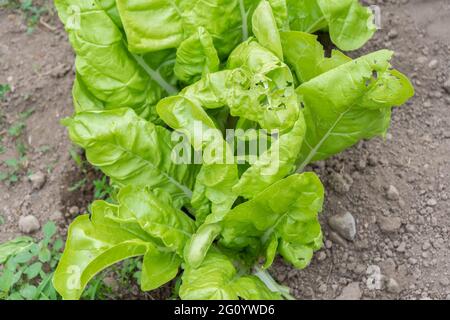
156	217
260	88
286	210
349	23
306	55
131	150
218	173
96	243
218	279
153	25
199	244
265	29
109	6
274	164
109	72
350	103
83	99
196	56
305	15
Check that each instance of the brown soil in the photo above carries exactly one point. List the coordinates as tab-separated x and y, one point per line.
413	258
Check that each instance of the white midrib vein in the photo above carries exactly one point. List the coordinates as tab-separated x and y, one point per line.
155	75
313	151
244	17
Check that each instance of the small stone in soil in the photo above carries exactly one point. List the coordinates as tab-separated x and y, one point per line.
351	292
321	256
392	193
431	202
37	180
74	210
344	224
29	224
392	286
433	64
389	224
393	34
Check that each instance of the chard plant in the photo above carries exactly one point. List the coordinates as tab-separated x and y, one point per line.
152	73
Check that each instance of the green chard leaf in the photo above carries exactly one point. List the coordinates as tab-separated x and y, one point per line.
108	71
261	88
143	224
218	173
132	151
274	164
265	29
350	103
349	23
306	55
196	56
218	279
287	211
83	99
153	25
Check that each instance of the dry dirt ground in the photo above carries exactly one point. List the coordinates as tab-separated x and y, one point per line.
396	189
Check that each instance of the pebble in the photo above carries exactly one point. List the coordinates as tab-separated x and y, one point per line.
392	286
29	224
74	210
422	60
322	288
321	256
393	34
426	246
401	247
344	224
411	228
392	193
389	224
433	64
431	202
37	180
444	282
351	292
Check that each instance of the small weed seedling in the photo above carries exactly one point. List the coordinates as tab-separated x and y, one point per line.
4	89
28	266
